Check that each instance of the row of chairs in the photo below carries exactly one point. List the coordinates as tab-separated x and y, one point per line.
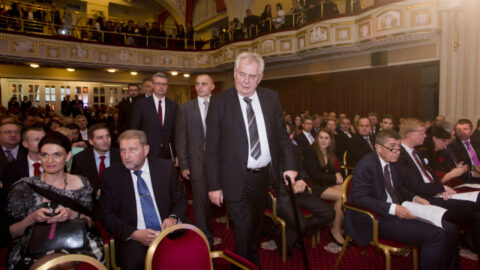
188	249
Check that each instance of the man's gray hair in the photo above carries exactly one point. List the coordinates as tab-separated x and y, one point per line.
133	134
160	75
250	56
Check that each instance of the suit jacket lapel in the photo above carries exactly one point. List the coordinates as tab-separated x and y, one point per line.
3	157
197	117
152	109
93	163
126	176
237	113
264	104
159	191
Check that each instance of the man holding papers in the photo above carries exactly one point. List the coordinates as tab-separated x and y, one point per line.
422	182
376	186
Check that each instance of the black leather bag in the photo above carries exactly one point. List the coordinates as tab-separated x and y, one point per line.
68	235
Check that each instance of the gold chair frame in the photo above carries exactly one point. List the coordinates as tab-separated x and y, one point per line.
385	248
71	258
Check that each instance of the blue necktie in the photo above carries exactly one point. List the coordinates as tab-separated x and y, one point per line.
149	214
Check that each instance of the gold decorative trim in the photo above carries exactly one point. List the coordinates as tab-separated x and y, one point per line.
342	24
52	44
421	5
338	31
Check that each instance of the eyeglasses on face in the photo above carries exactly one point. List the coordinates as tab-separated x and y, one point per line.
393	150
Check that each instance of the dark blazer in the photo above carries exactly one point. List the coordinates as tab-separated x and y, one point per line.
226	153
160	138
414	180
358	148
190	138
84	164
461	154
342	141
22	153
475	138
117	201
302	140
320	177
15	171
125	108
368	191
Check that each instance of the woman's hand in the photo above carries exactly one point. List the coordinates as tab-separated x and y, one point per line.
39	215
62	214
339	178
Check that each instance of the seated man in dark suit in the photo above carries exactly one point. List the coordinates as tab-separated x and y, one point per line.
92	161
322	214
10	149
250	22
305	138
466	150
421	181
342	138
361	143
475	137
377	185
139	198
28	165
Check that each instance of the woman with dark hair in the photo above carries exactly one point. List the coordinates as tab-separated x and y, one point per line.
181	37
323	167
53	124
298	124
51	197
14	106
266	19
440	161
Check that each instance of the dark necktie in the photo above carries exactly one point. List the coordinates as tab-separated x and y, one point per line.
367	138
101	167
160	117
148	208
252	130
9	155
36	168
420	164
472	153
205	110
388	184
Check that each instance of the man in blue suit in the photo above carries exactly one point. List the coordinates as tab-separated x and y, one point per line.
377	185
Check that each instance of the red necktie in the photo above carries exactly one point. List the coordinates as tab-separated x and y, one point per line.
101	167
36	169
160	118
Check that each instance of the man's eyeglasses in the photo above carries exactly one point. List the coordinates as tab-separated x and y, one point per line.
160	84
393	150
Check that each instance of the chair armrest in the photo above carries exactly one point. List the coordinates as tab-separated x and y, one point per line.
372	215
273	197
233	258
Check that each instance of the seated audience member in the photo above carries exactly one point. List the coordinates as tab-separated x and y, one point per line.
298	124
279	20
420	181
305	138
296	10
361	143
250	22
438	160
10	145
331	125
323	169
140	197
266	19
465	151
374	126
377	185
82	122
475	137
322	214
92	161
53	124
317	124
342	137
386	122
28	197
29	165
77	141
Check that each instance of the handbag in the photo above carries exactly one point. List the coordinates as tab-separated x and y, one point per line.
68	235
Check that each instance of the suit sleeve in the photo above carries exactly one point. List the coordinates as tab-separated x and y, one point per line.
172	135
136	118
362	190
108	203
212	148
415	184
177	195
181	140
283	140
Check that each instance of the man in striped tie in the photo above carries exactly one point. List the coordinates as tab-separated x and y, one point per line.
139	198
246	135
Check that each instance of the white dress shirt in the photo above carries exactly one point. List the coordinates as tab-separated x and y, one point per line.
393	206
31	169
410	153
203	113
265	157
106	161
13	151
309	136
148	180
155	101
84	134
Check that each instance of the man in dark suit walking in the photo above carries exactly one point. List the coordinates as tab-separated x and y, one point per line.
245	136
92	161
29	165
190	130
378	185
155	115
140	197
125	106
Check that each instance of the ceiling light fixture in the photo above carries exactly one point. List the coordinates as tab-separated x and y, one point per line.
33	65
186	75
133	73
174	73
70	69
111	70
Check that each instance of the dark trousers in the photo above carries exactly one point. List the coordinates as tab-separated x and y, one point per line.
131	254
201	206
462	212
439	247
322	214
247	215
